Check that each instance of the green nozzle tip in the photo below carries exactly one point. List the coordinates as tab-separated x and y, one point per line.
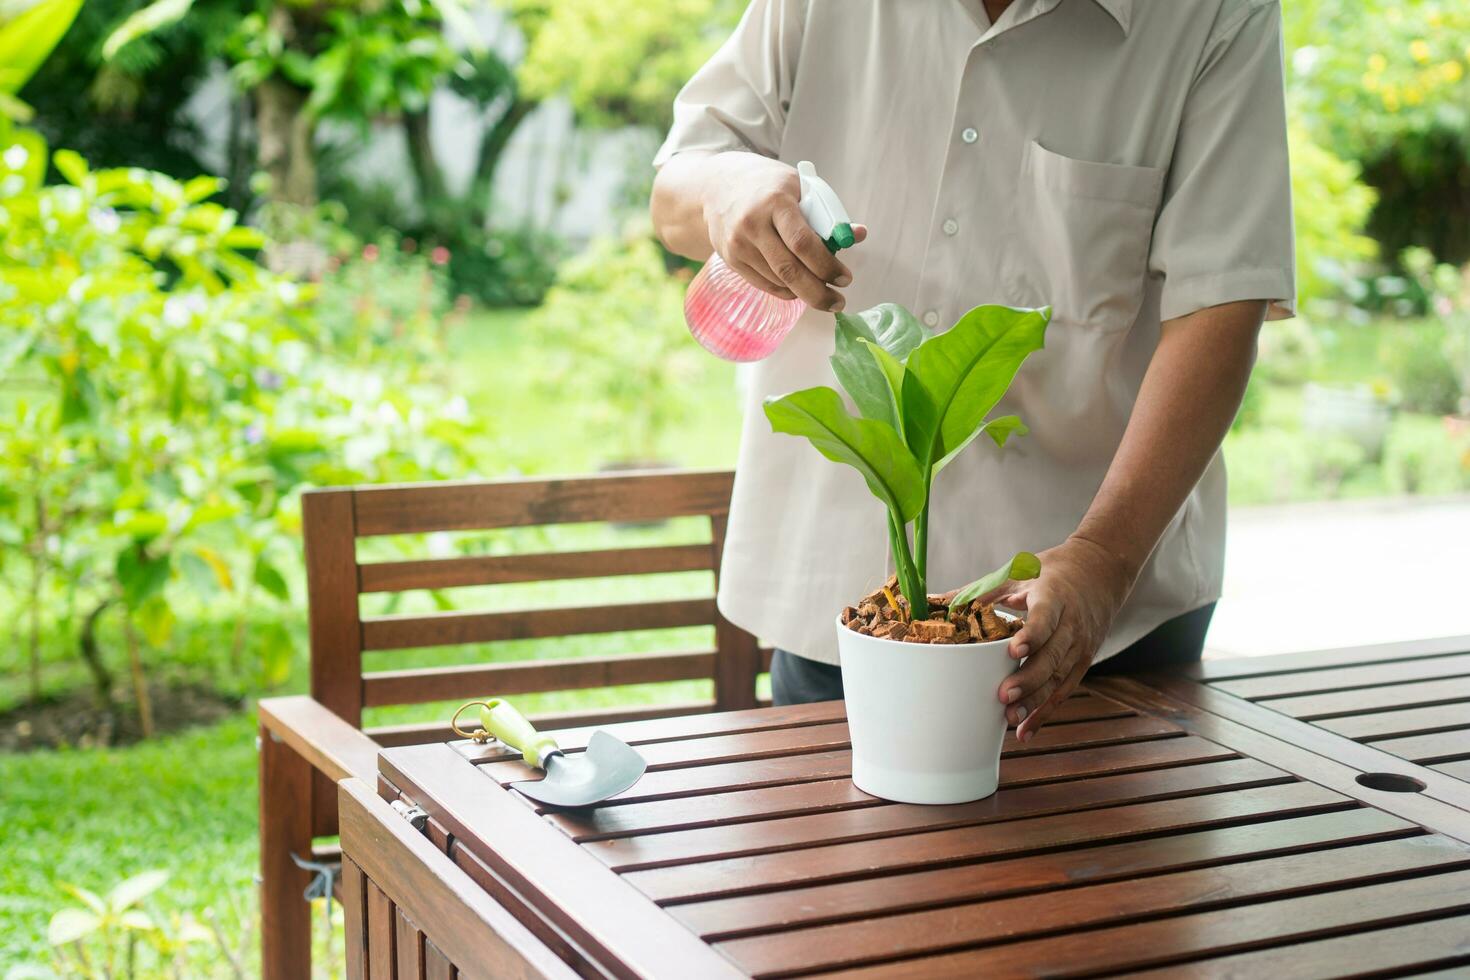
842	237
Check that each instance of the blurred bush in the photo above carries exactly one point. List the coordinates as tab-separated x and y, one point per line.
1418	361
1387	83
613	348
1421	456
1274	465
172	397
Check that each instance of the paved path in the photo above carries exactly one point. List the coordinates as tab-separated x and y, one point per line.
1314	576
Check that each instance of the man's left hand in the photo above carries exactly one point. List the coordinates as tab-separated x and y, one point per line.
1069	609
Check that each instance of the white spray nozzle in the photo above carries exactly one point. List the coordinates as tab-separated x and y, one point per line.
822	209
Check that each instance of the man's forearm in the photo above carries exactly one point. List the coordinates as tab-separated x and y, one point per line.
1189	397
677	204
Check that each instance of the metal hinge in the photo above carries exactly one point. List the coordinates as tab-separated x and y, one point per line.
417	816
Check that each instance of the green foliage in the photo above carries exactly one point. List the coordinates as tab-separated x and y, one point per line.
1376	75
922	399
618	61
1331	206
1421	456
174	396
612	347
1277	465
29	29
1023	566
1419	365
1387	83
872	447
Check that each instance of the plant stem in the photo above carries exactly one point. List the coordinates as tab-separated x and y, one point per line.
140	679
87	645
921	541
909	580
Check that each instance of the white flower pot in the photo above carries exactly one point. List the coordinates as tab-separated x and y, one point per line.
925	720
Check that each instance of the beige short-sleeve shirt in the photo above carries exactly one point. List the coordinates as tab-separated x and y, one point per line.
1121	160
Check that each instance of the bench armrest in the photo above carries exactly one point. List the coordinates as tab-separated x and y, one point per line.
321	737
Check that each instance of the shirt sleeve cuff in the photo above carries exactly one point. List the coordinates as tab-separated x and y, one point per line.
1184	296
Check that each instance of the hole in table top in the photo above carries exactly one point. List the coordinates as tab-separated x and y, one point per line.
1390	782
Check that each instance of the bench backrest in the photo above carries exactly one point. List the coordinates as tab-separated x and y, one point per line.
334	520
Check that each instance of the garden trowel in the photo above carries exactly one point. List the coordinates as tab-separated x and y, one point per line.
605	769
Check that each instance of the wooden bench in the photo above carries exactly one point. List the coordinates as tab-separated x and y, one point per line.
309	743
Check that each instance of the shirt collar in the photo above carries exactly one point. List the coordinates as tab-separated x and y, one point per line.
1121	11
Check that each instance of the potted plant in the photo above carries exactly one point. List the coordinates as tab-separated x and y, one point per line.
920	671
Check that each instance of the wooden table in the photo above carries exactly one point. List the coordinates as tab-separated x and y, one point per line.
1140	831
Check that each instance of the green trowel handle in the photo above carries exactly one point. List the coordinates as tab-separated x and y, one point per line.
511	727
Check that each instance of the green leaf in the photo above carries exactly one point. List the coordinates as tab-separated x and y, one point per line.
268	577
69	164
87	897
873	448
955	379
129	892
28	32
458	19
156	619
999	429
1023	566
138	921
274	643
69	925
140	575
888	327
1004	427
156	15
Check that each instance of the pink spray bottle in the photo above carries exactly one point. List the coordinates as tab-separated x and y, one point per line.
740	322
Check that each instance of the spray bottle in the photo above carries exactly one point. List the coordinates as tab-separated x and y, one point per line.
740	322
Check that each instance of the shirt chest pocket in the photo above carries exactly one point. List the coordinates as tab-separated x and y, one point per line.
1088	226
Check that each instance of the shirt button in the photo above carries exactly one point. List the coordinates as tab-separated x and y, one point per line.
931	318
969	135
950	226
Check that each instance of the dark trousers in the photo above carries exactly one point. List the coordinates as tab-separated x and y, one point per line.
797	680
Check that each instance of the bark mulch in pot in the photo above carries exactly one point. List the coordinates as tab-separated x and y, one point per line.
884	613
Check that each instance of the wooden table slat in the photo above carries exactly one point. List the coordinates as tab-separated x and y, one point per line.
1214	670
1435	747
917	933
897	818
1175	938
853	900
1346	678
1421	947
1460	770
736	804
879	855
1396	722
1311	707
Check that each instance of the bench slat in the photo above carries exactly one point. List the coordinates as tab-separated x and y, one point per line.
528	676
479	505
448	573
451	628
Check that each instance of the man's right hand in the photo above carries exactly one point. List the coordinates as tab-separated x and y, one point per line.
748	209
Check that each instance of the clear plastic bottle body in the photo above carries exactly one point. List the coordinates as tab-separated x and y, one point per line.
733	319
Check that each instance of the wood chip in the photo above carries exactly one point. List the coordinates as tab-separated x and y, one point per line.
930	629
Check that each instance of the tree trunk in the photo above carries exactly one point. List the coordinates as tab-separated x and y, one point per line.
433	193
284	141
140	679
237	156
492	147
101	676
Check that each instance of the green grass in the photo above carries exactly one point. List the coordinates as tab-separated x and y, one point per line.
185	803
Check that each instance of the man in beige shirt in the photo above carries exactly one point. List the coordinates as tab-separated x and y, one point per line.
1123	161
